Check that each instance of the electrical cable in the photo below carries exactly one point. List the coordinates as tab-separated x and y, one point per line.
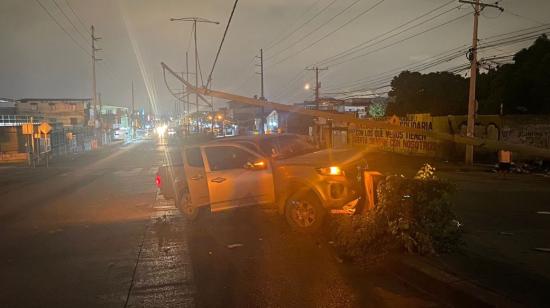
70	21
221	44
285	35
62	28
351	50
78	17
403	40
314	30
332	32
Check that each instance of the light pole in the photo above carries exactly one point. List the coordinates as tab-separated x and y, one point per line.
196	20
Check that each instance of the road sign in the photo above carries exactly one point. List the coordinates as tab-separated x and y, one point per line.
27	129
44	128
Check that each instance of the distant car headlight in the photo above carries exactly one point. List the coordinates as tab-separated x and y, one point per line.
332	170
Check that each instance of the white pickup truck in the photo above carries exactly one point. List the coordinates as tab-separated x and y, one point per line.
282	171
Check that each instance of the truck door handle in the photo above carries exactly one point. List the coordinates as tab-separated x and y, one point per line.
218	180
197	177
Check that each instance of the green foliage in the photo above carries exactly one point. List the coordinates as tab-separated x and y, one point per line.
377	109
438	93
412	215
521	87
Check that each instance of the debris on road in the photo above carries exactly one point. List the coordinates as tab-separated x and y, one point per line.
543	212
542	249
231	246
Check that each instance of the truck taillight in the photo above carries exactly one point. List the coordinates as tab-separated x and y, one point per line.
158	182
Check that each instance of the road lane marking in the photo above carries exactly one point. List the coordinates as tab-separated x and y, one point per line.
128	173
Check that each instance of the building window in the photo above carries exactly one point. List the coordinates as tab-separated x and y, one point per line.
52	106
34	106
74	121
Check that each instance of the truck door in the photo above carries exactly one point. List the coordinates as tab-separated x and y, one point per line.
196	176
237	177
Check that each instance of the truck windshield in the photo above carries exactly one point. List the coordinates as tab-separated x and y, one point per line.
286	146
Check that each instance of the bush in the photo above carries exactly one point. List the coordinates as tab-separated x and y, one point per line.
412	215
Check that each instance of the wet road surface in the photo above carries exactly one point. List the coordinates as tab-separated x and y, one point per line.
93	232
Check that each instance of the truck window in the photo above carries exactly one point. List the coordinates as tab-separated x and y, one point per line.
194	157
226	158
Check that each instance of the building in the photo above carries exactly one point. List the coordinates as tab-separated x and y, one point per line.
114	117
245	116
71	112
7	106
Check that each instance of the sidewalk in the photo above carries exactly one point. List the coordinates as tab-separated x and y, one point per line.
504	222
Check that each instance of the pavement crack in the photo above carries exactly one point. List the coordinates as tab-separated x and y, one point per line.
136	266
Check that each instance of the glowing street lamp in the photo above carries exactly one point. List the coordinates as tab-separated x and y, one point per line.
307	86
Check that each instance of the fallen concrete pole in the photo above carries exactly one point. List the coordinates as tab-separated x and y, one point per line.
478	142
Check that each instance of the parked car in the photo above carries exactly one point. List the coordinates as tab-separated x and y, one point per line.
282	171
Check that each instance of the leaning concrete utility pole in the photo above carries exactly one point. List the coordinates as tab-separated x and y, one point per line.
196	20
374	124
478	7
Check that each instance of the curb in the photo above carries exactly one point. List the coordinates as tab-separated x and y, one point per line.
458	292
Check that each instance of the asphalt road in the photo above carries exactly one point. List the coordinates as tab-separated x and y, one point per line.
92	232
504	221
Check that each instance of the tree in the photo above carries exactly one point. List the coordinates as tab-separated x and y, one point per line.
521	87
438	93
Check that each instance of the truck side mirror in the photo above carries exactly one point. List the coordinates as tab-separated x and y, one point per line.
256	165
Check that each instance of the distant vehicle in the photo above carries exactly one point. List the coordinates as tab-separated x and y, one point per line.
171	131
283	171
120	134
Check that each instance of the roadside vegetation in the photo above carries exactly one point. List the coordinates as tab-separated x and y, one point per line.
412	215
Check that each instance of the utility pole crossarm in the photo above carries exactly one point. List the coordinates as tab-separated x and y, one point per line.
187	84
317	84
483	5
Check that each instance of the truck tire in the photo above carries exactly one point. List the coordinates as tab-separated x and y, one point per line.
183	204
304	211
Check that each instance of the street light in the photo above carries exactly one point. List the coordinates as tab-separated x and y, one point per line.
307	86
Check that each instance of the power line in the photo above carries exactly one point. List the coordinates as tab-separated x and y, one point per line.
315	30
302	25
83	24
70	21
402	40
285	35
523	17
221	43
387	38
351	50
62	28
450	55
332	32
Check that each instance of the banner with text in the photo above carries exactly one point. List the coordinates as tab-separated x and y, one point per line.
399	141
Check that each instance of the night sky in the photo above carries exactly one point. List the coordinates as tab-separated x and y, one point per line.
38	59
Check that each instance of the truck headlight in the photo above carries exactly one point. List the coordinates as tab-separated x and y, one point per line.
332	170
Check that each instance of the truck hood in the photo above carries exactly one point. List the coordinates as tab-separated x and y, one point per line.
325	158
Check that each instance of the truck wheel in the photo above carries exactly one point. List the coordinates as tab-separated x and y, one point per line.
184	205
304	212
